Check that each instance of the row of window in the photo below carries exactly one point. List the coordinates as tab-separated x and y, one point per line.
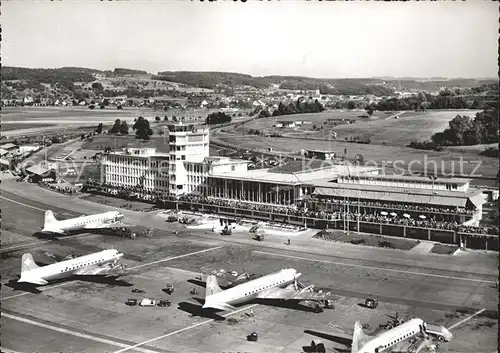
195	179
398	183
80	265
140	163
135	181
264	287
128	176
405	336
89	221
195	168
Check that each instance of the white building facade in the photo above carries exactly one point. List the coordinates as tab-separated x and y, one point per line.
137	167
183	170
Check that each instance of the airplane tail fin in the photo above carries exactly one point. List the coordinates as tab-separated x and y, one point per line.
359	338
49	218
27	263
212	286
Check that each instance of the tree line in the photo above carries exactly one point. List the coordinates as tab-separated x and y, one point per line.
50	76
141	127
337	87
298	107
218	118
447	99
211	79
466	131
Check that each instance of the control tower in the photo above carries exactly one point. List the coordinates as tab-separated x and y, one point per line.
187	143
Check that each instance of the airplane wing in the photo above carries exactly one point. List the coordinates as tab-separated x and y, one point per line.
108	225
53	230
33	280
421	345
99	270
293	294
220	306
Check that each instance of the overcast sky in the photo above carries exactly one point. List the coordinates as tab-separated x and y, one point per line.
318	39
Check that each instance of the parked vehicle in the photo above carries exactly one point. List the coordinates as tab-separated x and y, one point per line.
169	289
172	219
371	303
131	302
253	337
227	231
259	237
318	347
137	290
329	304
439	332
147	302
164	302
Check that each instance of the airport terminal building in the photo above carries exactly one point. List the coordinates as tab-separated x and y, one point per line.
187	174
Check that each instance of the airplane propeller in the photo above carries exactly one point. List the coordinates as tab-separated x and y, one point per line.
295	282
395	317
69	256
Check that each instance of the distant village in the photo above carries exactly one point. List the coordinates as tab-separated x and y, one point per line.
239	97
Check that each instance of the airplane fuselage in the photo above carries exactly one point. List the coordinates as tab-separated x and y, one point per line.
245	292
71	267
393	336
83	222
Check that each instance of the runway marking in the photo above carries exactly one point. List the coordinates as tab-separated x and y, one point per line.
175	257
22	204
183	329
465	320
374	268
39	242
74	333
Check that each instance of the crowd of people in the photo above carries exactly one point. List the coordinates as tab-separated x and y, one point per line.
66	190
408	207
339	216
301	210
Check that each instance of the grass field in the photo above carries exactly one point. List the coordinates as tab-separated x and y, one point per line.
314	119
71	114
470	149
118	142
409	159
444	249
20	126
411	126
371	240
389	138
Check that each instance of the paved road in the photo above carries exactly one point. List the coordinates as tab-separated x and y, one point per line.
349	271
